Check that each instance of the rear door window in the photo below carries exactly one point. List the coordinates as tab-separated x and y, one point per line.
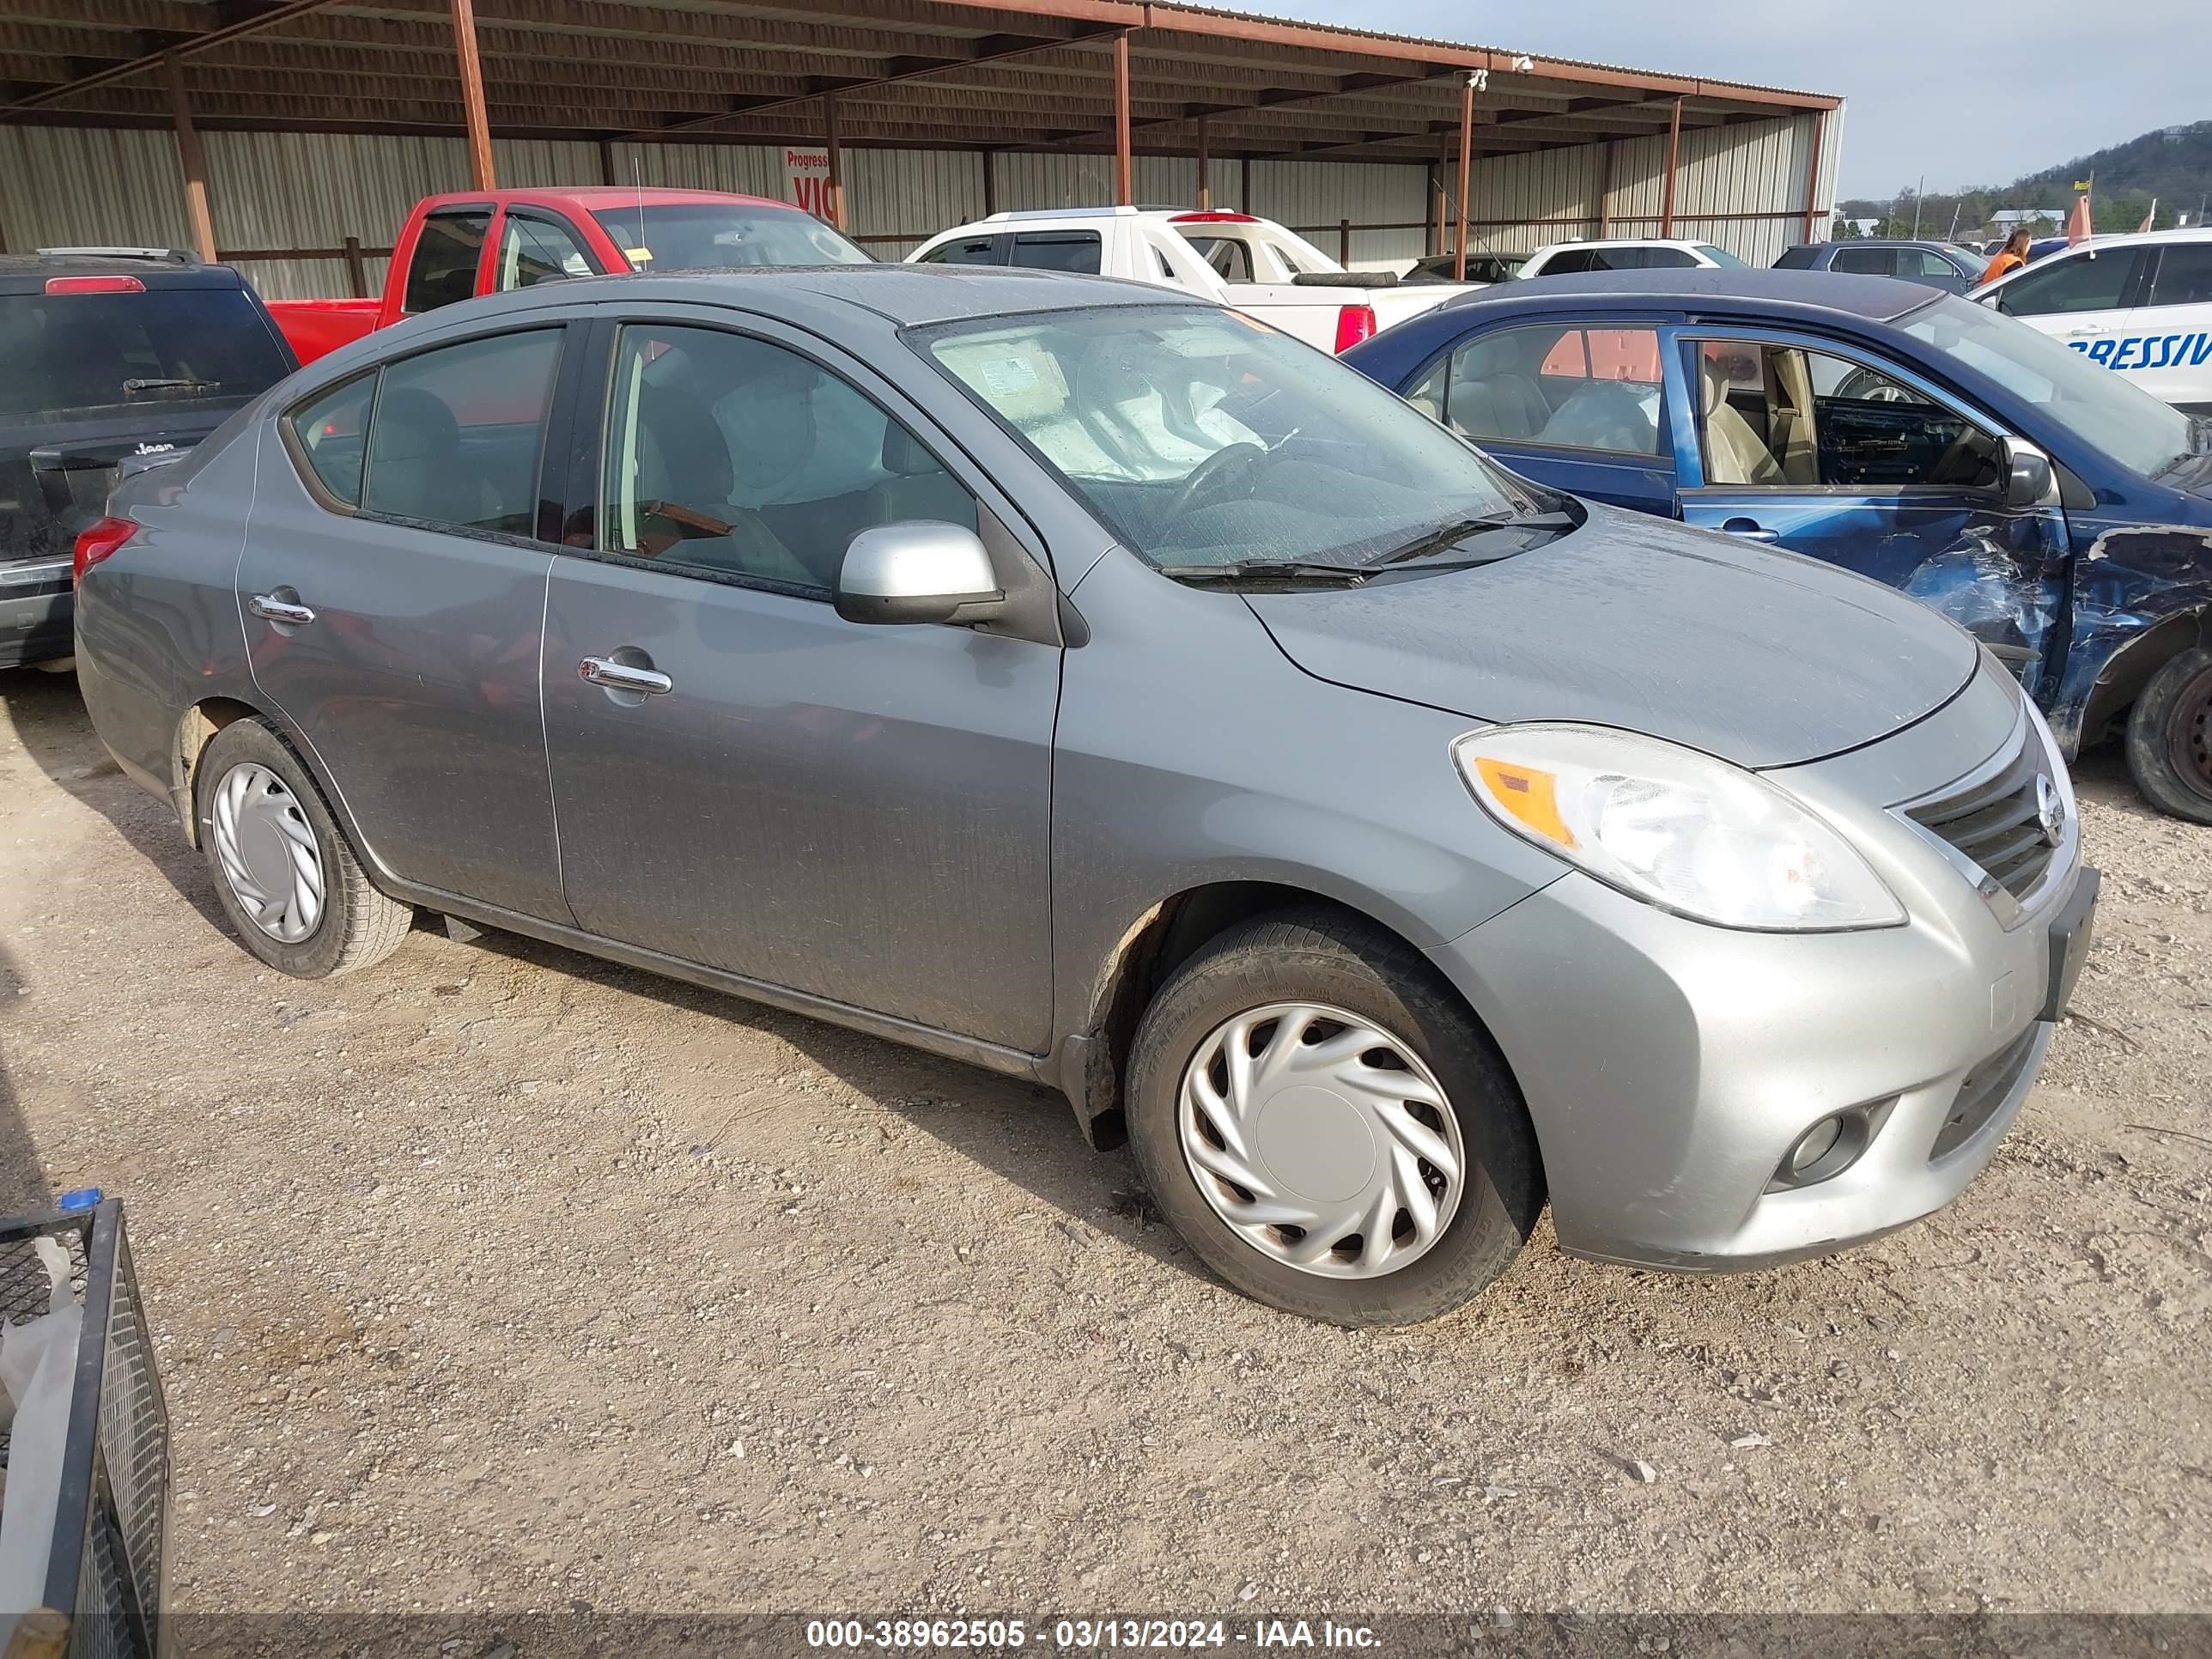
533	249
1865	261
443	270
963	251
2183	275
156	346
1572	260
457	432
1568	387
1058	250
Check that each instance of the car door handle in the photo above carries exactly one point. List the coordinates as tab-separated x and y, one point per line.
621	677
270	608
1751	530
2085	329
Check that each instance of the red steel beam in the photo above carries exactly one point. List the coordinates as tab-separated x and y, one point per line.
472	95
194	163
1674	150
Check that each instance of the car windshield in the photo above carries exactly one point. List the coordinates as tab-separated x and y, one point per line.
1202	437
1722	256
2104	410
160	344
700	235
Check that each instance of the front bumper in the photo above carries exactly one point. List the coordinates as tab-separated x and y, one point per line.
1670	1066
35	608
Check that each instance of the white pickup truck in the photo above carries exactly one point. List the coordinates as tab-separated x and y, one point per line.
1235	258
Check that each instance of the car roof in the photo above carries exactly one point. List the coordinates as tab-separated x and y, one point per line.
904	296
27	273
596	198
1875	298
2146	238
1882	241
1625	241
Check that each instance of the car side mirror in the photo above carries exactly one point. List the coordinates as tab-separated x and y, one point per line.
2026	474
917	571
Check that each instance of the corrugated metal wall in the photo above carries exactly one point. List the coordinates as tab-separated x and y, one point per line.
74	184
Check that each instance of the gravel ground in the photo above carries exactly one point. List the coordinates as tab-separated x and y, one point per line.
498	1278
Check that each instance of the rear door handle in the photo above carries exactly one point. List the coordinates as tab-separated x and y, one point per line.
1751	530
270	608
621	677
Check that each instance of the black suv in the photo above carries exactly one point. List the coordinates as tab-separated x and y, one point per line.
106	353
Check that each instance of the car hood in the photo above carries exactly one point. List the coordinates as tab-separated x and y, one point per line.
1763	659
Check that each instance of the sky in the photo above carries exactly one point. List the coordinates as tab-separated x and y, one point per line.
1963	92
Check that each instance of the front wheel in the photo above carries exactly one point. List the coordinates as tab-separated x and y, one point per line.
2170	738
1326	1126
285	877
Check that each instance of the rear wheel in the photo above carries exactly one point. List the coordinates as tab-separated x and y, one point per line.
1326	1126
2169	737
282	872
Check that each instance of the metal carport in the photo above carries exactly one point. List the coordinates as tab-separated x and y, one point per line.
290	135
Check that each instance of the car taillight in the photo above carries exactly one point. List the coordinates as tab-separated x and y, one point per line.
1214	217
1353	325
95	285
99	541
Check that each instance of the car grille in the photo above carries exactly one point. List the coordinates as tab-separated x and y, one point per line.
1992	820
1981	1093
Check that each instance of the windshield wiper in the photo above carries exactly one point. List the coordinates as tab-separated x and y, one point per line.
1460	532
155	383
1290	572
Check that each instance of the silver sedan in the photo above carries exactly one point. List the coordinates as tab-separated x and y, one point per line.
1106	690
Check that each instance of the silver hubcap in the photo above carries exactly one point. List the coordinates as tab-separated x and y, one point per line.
1322	1140
267	850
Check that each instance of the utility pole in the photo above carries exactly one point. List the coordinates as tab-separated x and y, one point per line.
1918	191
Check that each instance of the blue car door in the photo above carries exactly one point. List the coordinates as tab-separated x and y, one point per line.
1577	404
1832	450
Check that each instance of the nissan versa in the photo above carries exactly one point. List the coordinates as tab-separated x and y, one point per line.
1107	690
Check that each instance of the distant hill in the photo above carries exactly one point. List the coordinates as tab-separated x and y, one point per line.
2172	164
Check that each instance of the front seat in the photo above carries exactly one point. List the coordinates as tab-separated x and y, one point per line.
684	485
1504	406
1734	453
918	486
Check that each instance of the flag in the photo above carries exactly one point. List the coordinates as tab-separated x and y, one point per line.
2144	227
2078	228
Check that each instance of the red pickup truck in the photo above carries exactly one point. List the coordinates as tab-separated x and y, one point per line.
455	247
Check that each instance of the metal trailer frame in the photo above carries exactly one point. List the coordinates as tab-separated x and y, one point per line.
105	1568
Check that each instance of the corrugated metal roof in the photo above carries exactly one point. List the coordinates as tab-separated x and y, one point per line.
1508	53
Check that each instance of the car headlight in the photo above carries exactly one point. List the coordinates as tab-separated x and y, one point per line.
1674	827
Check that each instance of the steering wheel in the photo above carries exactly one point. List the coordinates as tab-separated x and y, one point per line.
1866	386
1211	473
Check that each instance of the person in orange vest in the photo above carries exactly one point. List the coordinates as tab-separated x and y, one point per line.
2011	256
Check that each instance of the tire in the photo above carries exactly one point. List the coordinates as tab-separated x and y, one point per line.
1340	971
2170	738
274	814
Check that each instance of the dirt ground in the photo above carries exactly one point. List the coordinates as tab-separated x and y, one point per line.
498	1278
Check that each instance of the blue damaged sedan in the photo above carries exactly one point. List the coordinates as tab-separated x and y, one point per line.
1107	690
2060	515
